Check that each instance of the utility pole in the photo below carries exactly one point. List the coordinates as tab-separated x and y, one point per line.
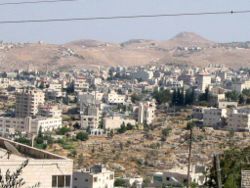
189	157
218	170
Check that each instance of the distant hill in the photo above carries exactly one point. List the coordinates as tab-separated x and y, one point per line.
187	39
184	48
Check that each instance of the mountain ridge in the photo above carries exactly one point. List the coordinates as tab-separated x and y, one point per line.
185	47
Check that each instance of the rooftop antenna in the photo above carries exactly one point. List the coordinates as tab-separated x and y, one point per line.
11	149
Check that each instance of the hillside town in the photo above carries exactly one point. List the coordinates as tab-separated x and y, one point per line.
162	125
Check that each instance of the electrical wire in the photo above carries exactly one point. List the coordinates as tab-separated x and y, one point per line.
35	2
122	17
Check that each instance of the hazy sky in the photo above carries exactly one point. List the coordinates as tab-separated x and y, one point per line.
217	28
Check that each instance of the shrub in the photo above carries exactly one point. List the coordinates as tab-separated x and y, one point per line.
83	136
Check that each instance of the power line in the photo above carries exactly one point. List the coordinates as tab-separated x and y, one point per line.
34	2
122	17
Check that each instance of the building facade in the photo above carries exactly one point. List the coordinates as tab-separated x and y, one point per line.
96	177
28	102
146	112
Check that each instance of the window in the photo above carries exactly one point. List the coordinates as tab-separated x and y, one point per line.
61	181
95	179
111	176
67	180
54	181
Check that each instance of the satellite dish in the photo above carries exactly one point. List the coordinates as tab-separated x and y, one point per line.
11	149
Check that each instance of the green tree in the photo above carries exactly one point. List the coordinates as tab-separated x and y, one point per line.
83	136
178	97
63	130
162	96
242	99
246	92
122	129
23	140
130	126
230	182
190	96
174	97
205	96
232	96
120	183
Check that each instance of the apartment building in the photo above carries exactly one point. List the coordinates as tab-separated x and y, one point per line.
198	112
89	111
114	98
50	110
90	117
96	177
240	86
115	122
142	74
239	120
146	112
55	90
55	86
28	102
47	169
9	125
80	85
212	117
203	81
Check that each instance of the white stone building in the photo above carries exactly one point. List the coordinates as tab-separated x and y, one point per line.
80	84
97	177
203	81
178	176
10	125
146	112
114	98
115	122
143	75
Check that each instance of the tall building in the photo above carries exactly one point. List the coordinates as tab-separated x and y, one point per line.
90	117
28	101
89	111
146	112
203	81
